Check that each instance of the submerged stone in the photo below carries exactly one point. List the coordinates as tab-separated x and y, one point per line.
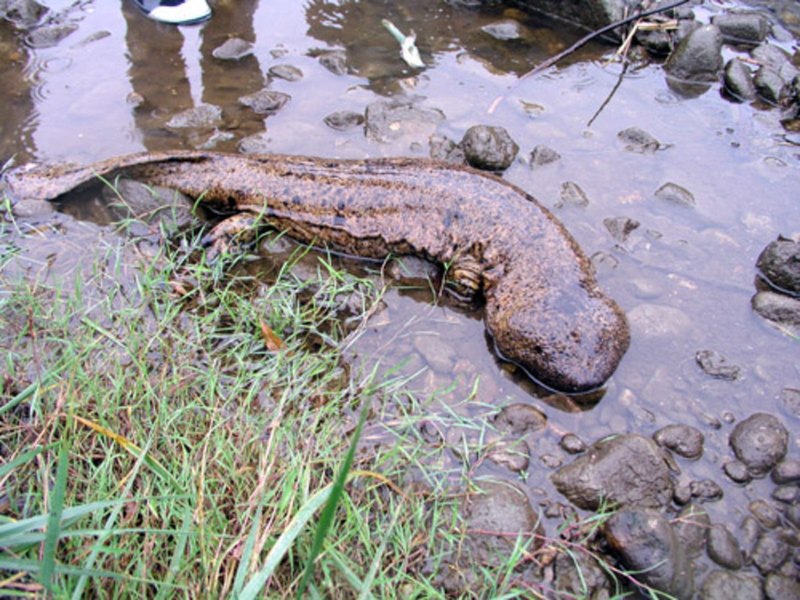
727	585
647	544
739	80
742	28
396	119
716	365
287	72
675	194
683	440
760	442
266	101
233	49
779	264
623	470
200	116
489	148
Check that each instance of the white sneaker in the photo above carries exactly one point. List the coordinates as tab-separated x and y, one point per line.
175	12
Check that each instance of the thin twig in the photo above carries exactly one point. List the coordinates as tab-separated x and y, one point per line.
587	38
583	41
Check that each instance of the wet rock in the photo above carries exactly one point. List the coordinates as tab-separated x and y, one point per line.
413	271
543	155
715	365
780	587
390	120
132	200
760	442
443	148
505	30
258	143
770	552
726	585
697	57
765	513
705	490
748	533
786	494
770	56
50	35
514	455
691	527
233	49
491	514
738	80
790	399
620	227
572	444
770	85
647	544
335	61
638	140
793	515
520	419
23	14
781	309
675	194
439	355
656	321
572	195
205	116
787	471
779	264
265	102
737	471
656	42
287	72
682	494
580	576
26	208
742	28
723	548
343	120
489	148
683	440
625	469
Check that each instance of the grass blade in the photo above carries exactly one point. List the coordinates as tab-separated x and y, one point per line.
54	518
244	561
326	518
284	542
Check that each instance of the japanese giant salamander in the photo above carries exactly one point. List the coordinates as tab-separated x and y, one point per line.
544	309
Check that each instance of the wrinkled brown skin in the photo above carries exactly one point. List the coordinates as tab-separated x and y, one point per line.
544	309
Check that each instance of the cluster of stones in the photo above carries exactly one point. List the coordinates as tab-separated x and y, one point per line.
778	284
659	529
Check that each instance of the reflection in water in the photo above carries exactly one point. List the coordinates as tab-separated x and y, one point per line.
158	72
440	28
17	102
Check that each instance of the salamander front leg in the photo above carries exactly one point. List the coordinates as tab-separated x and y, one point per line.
228	235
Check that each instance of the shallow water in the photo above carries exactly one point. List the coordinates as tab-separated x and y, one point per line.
685	275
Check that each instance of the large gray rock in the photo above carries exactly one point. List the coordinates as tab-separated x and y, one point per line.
624	470
760	442
779	264
647	545
697	57
726	585
489	148
399	119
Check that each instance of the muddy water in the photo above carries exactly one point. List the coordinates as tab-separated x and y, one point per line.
685	275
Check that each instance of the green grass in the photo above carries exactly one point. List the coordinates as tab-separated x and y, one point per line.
172	448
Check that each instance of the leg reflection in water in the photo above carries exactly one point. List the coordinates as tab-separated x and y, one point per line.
162	59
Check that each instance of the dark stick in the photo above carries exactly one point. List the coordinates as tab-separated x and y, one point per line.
610	94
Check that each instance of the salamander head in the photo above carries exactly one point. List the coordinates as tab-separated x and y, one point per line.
568	344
